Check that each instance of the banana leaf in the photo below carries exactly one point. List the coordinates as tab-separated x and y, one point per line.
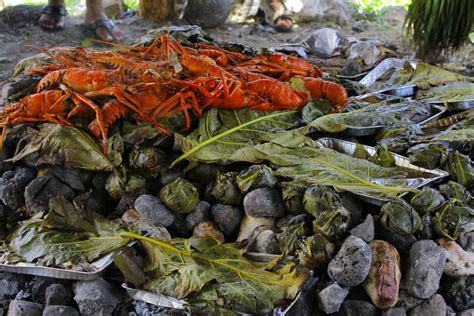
72	148
380	114
66	236
450	92
192	268
225	136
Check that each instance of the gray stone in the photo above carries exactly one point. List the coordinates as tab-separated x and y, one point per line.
331	298
57	294
338	11
351	265
38	288
357	308
396	311
435	306
10	284
267	242
204	173
200	214
91	201
406	300
466	241
467	312
24	308
425	231
360	26
459	293
365	230
12	186
168	175
179	227
96	297
264	202
41	190
425	267
227	218
153	211
72	177
60	310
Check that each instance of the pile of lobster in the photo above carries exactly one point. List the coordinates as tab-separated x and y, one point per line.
164	79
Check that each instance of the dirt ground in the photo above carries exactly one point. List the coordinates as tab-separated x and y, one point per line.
20	29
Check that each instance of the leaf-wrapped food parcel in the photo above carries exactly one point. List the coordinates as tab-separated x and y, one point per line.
292	194
256	176
430	155
383	157
181	196
399	217
225	189
291	233
314	252
427	201
453	218
454	190
192	268
147	161
461	169
332	220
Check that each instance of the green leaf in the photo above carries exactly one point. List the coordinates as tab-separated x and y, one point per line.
70	147
191	268
66	236
225	136
382	114
449	92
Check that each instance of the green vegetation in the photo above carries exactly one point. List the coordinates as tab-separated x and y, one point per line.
372	9
437	27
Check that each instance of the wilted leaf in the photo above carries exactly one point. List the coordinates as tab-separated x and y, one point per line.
66	236
450	92
70	147
182	268
225	136
453	219
399	217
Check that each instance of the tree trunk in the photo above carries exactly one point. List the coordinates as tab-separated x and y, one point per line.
158	10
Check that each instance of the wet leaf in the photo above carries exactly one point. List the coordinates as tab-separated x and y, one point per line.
225	136
428	156
461	169
382	114
65	236
450	92
69	147
399	217
453	218
225	189
427	201
182	268
180	196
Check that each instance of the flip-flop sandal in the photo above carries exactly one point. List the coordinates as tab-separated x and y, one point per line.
107	24
55	12
281	27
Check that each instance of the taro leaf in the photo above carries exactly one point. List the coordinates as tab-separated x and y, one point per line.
225	189
180	196
465	135
182	268
426	74
234	135
292	194
399	217
461	169
314	252
427	201
430	156
383	157
61	239
453	219
257	176
290	235
381	114
69	147
325	166
451	92
454	190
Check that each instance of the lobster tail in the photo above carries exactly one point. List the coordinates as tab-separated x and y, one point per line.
318	88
